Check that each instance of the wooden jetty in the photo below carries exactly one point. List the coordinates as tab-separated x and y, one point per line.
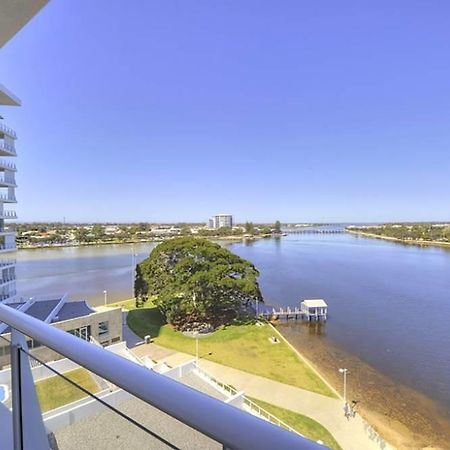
309	310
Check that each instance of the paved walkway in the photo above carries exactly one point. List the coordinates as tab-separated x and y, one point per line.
353	434
129	336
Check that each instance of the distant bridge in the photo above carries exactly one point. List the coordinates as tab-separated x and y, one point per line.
315	231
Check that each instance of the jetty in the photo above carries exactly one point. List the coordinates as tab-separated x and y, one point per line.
311	310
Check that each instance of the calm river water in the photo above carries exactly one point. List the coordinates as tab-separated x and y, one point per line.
389	304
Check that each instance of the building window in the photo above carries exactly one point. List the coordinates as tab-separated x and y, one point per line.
82	332
103	328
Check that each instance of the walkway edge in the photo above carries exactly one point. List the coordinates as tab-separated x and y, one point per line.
302	358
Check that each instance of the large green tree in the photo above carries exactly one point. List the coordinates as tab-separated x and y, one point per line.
197	281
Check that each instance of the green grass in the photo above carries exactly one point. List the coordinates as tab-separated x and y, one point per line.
244	347
304	425
54	392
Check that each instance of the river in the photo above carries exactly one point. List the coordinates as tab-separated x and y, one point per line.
389	306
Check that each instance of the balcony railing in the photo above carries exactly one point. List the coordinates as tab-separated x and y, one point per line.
4	297
7	198
7	180
8	247
7	262
8	148
8	131
5	280
225	424
7	165
8	215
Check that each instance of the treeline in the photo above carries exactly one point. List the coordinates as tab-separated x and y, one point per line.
409	232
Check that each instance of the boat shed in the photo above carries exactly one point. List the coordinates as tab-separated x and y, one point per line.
314	309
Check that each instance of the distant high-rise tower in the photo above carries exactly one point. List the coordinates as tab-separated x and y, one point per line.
220	221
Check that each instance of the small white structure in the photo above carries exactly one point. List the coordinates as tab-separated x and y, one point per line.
314	309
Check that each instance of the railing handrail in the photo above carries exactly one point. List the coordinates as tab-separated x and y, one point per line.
8	165
8	130
230	426
8	214
7	146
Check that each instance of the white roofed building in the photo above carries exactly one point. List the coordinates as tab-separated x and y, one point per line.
314	309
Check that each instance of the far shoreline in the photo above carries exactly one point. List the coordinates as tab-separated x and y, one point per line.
400	241
146	241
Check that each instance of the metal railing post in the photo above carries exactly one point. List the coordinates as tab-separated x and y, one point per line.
28	426
16	388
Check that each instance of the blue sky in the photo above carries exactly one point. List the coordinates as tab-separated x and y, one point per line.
175	110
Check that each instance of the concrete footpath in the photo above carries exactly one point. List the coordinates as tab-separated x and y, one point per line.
352	434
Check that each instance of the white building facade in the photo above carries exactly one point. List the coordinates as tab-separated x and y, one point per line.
7	198
220	221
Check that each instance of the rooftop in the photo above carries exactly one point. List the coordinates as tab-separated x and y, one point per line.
52	309
317	303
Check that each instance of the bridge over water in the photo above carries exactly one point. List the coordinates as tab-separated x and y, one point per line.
315	231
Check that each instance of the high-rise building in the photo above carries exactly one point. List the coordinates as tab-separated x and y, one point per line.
7	196
13	16
220	220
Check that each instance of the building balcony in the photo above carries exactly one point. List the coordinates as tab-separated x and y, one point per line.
5	165
6	263
7	149
7	280
8	215
8	131
4	248
4	297
7	180
7	198
7	232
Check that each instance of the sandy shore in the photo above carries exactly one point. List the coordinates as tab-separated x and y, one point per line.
401	241
406	418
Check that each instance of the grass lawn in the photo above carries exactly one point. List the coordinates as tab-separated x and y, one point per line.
244	347
304	425
54	392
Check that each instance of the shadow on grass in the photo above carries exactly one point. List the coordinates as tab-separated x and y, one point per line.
146	321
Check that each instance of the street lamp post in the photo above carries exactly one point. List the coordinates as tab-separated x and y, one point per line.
344	372
105	293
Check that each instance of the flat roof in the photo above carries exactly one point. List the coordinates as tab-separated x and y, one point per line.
315	303
14	14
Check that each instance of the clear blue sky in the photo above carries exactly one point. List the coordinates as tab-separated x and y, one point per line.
175	110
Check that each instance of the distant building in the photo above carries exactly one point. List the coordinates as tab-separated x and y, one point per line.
220	220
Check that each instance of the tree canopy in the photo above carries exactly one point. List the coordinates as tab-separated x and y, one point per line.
197	282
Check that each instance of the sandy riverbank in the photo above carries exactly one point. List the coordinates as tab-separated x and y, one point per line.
406	418
401	241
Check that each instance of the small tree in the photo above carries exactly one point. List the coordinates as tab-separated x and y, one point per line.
249	228
277	227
